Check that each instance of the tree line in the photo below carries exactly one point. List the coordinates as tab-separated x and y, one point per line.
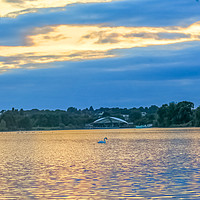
182	114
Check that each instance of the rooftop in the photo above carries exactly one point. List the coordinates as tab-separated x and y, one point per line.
110	120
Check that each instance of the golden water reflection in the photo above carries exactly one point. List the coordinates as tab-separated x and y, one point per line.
134	164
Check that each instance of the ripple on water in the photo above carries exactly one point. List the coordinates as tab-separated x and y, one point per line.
134	164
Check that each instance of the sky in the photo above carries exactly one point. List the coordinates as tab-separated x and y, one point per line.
56	54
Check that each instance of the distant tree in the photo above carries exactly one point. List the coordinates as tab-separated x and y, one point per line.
163	116
175	114
10	120
184	112
135	116
42	120
172	114
3	125
72	110
2	111
153	109
91	109
21	112
61	125
64	118
150	118
25	123
142	109
197	117
106	114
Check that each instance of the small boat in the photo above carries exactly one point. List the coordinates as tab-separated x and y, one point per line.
103	141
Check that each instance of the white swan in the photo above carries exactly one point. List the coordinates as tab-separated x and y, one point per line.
103	141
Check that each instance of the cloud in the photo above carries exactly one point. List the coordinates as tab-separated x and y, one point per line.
13	8
50	44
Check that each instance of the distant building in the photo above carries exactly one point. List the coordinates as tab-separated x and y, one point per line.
100	114
143	114
109	122
126	117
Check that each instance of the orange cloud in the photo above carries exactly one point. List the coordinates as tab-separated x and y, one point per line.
13	8
82	42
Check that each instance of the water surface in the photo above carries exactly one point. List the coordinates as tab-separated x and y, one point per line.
134	164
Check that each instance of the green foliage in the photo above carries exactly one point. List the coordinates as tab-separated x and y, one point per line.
106	114
135	116
25	123
175	114
91	109
197	117
3	125
168	115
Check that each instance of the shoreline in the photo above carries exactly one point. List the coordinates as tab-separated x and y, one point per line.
51	130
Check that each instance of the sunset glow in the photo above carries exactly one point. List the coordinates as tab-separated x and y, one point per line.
13	8
80	42
110	53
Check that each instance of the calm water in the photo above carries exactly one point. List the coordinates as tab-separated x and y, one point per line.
134	164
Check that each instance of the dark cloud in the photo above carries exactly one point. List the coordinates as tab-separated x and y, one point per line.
143	35
55	38
163	74
15	1
107	38
21	12
103	37
166	76
18	1
119	13
173	35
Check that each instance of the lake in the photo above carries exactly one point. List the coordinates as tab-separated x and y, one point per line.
133	164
